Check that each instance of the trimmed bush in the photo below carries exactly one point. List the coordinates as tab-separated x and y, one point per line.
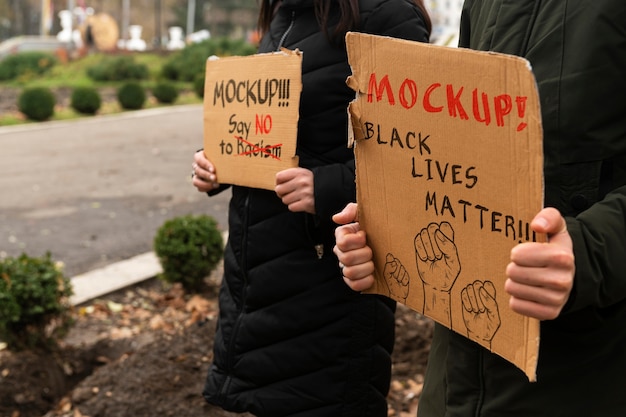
165	92
37	103
131	96
86	100
34	303
189	248
121	68
198	84
26	65
186	64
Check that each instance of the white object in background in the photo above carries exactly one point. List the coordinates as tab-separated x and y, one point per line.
446	18
199	36
65	35
176	38
135	43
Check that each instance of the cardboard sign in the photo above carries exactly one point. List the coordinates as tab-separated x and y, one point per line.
251	111
449	170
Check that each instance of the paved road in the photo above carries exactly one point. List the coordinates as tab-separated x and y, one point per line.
94	191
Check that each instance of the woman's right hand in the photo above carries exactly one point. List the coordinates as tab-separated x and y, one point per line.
203	174
355	257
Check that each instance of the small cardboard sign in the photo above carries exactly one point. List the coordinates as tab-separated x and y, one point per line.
251	111
449	171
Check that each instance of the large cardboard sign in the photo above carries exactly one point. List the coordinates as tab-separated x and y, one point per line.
251	116
449	170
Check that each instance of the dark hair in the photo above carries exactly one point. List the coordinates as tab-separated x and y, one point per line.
349	19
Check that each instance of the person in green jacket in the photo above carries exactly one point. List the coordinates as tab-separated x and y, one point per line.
576	282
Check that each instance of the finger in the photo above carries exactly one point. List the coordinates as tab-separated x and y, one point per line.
427	245
349	214
420	250
361	284
286	175
349	237
537	275
473	298
488	301
538	255
355	257
549	221
532	309
284	189
467	304
433	228
203	162
490	288
404	279
444	244
540	295
447	230
391	267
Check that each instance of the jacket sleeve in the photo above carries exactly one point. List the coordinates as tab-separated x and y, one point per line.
599	238
334	188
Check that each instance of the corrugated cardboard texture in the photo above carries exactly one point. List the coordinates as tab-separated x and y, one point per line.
448	147
251	116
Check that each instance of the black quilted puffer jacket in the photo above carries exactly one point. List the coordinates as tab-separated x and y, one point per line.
577	50
292	339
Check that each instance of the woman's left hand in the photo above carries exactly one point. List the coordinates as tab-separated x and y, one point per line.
294	186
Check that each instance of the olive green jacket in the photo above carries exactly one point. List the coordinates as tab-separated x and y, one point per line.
577	49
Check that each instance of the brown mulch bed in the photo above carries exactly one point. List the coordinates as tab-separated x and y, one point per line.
144	352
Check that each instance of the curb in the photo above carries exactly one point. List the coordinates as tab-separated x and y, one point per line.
116	276
113	277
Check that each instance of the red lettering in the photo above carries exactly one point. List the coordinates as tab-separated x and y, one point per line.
521	111
427	103
379	89
486	119
454	103
411	86
503	106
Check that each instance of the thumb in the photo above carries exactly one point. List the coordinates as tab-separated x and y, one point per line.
349	214
488	300
550	222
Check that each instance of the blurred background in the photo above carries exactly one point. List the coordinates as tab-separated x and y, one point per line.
153	24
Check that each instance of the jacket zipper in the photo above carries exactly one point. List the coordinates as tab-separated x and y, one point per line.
284	37
319	247
244	271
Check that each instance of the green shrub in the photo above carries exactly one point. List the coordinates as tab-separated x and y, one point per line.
165	92
34	303
198	84
121	68
187	63
189	248
37	103
131	96
86	100
26	65
169	71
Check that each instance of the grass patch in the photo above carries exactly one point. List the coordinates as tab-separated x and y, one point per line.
73	74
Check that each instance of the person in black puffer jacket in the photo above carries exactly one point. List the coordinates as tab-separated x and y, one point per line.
292	339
